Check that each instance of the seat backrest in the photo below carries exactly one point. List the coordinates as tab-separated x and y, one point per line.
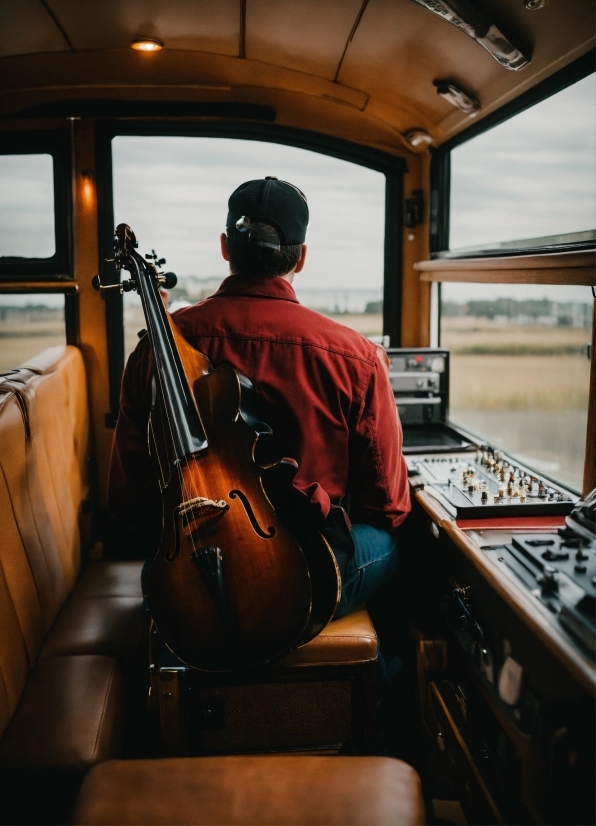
44	444
56	396
23	617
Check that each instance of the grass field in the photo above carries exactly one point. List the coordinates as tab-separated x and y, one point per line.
524	388
469	335
19	342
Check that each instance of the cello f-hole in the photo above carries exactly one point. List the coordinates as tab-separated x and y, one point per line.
237	494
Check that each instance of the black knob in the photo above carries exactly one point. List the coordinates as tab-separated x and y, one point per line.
95	282
549	579
170	279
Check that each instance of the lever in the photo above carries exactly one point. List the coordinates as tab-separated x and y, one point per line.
123	286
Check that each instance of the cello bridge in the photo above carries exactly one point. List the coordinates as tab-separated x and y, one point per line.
195	513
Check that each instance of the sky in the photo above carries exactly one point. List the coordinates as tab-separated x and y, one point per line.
27	206
532	175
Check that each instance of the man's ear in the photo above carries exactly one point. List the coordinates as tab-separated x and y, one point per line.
301	260
223	239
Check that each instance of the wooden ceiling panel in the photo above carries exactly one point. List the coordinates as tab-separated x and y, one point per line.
399	48
26	28
199	25
307	35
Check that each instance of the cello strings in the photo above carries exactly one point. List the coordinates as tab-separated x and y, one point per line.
179	460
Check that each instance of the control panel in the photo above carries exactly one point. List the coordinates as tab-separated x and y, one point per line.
488	484
560	570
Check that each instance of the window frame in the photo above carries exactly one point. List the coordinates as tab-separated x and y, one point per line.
392	166
441	166
57	143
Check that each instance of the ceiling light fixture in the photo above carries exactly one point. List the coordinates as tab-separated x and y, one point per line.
418	138
146	44
463	101
466	16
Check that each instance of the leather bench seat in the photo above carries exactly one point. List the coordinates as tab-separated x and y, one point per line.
109	626
243	791
61	689
111	579
67	718
351	640
104	614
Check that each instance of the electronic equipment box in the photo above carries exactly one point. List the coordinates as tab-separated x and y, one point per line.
419	378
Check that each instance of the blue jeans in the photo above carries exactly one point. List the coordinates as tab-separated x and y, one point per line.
374	562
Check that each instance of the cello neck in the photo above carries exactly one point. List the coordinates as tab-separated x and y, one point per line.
188	434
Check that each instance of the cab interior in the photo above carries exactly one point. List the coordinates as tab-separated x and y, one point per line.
484	712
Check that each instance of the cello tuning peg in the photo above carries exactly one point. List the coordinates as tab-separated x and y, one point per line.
148	256
168	280
129	285
161	261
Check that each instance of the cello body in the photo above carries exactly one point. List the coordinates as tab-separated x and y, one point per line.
232	584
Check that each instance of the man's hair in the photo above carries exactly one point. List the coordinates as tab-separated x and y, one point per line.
249	260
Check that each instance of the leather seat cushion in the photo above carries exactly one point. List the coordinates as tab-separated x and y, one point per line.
351	640
111	579
68	719
110	626
249	790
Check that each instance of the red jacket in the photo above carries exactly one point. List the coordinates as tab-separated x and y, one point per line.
322	388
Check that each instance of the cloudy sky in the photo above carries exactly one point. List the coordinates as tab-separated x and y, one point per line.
533	175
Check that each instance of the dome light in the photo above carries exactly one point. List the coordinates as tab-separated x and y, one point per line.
418	138
147	44
457	97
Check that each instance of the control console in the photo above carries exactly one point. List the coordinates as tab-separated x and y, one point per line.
488	484
560	570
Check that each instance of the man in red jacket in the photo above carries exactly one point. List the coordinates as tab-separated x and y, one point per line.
323	389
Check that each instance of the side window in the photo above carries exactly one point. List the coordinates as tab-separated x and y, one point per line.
173	191
29	323
531	180
35	205
27	206
519	370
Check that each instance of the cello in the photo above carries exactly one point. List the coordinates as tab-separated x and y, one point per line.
233	584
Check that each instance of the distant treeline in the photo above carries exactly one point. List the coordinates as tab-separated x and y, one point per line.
512	308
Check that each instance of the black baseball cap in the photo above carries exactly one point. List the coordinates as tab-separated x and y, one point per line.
271	201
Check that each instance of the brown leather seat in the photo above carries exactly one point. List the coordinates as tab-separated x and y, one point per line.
243	791
67	718
351	640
